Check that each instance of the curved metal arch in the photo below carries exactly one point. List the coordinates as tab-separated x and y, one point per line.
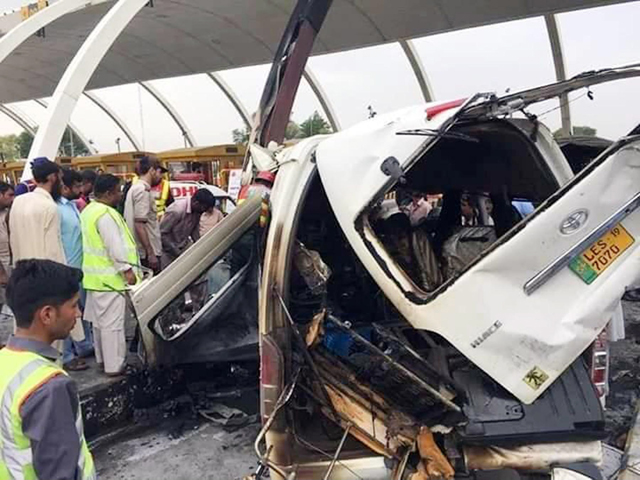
85	141
555	41
418	69
115	118
24	30
322	97
173	113
232	97
20	118
77	75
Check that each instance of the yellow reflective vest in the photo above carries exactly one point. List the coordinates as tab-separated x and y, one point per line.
21	373
161	201
100	273
160	194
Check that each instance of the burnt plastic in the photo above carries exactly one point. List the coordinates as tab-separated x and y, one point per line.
569	410
380	360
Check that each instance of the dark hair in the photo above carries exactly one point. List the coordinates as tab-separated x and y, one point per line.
146	163
5	187
69	177
105	183
205	198
89	176
42	168
37	283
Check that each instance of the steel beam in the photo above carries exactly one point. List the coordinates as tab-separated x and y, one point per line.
173	113
555	42
73	128
116	119
418	69
232	97
322	98
77	75
278	95
20	118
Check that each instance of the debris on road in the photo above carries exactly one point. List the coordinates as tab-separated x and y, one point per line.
227	416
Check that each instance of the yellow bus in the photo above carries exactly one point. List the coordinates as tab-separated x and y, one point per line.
119	164
10	172
208	164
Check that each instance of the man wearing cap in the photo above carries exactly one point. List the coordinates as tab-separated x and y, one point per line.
140	212
34	224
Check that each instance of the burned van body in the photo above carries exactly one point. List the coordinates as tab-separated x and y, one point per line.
456	346
452	345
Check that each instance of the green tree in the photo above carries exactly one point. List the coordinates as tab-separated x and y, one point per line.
314	125
241	135
292	130
9	148
586	131
70	145
25	140
582	130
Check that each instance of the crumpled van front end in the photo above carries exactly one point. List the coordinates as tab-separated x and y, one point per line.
475	368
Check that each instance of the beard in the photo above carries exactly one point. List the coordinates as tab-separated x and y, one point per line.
72	195
56	190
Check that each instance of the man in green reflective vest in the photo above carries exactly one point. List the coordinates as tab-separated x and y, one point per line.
41	431
110	262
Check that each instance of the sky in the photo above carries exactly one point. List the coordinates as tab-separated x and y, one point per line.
502	57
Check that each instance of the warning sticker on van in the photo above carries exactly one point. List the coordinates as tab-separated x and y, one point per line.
535	378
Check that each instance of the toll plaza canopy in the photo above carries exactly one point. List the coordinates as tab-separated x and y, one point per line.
179	37
174	74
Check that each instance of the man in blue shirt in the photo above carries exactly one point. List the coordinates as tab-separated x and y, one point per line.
71	233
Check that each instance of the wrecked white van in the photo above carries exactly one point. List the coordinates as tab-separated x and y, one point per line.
456	347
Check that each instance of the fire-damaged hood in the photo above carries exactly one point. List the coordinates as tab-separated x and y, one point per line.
519	312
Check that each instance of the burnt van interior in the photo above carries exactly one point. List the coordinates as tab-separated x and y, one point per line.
479	171
369	363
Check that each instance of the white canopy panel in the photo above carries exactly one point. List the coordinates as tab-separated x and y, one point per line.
181	37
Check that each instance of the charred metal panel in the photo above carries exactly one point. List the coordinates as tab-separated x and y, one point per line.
568	410
402	378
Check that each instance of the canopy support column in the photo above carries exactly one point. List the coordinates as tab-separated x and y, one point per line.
557	52
76	77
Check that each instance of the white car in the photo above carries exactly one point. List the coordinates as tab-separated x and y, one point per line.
186	189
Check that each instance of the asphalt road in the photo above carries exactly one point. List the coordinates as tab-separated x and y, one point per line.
183	447
203	451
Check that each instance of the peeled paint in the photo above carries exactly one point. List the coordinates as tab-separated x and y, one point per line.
532	457
435	463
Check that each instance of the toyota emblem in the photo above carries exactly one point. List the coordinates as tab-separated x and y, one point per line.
574	222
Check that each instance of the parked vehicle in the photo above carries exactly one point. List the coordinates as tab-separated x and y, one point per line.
185	189
580	150
213	163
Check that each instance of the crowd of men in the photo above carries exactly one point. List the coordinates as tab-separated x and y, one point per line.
80	219
70	249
